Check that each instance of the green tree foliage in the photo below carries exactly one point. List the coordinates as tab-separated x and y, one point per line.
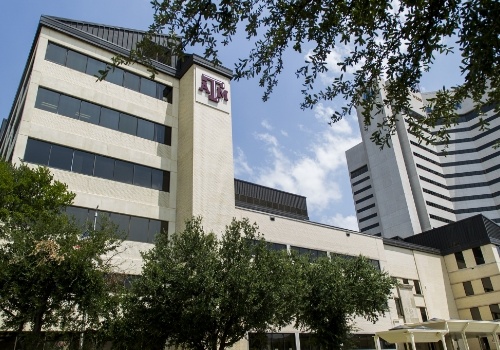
397	40
202	293
52	271
335	292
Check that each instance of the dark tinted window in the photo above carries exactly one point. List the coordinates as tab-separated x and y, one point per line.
478	255
142	176
109	118
115	76
124	171
83	163
56	53
487	285
104	167
148	87
416	284
145	129
495	311
131	81
121	220
90	112
139	228
476	315
160	180
94	66
69	106
164	92
459	256
160	134
81	215
468	288
47	100
154	228
128	124
61	157
37	152
76	61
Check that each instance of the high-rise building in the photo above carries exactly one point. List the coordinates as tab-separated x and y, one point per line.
411	187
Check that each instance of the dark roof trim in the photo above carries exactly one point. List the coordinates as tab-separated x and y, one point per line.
188	60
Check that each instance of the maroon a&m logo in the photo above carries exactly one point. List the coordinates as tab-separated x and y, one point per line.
214	88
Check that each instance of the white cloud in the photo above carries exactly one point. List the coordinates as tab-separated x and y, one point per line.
324	114
267	138
284	133
314	173
241	166
265	124
348	222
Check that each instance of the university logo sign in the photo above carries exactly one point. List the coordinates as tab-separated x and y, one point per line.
213	88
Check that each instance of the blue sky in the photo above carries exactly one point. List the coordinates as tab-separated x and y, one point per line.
275	143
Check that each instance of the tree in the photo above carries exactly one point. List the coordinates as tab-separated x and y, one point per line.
52	271
202	293
395	40
336	291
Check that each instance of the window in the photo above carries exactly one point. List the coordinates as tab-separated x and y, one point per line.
487	285
274	341
359	171
104	167
76	61
115	76
61	157
83	163
476	315
69	107
131	81
94	66
399	307
312	253
47	100
423	313
459	256
145	129
495	311
468	288
124	172
109	118
148	87
37	152
90	112
139	230
478	255
416	285
56	53
128	124
405	281
142	176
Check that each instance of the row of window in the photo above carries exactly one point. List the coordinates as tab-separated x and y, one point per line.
461	186
74	160
365	208
85	64
465	210
464	118
71	107
136	228
494	309
464	174
314	254
308	341
486	282
371	216
364	199
360	181
463	198
359	171
362	189
451	152
439	218
478	256
369	227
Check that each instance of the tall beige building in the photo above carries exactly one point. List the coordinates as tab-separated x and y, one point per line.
151	153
